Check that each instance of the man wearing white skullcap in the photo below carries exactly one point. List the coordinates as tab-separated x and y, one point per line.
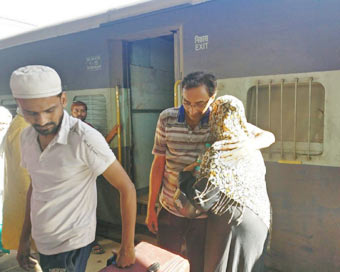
64	156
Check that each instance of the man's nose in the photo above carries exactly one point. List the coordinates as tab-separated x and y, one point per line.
41	119
192	110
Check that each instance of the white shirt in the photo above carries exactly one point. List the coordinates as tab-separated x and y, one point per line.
64	196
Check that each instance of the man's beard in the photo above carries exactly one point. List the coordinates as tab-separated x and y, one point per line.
43	130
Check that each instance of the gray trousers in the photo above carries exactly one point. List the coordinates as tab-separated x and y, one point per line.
232	247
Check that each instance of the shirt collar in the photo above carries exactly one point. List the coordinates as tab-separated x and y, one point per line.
181	116
62	135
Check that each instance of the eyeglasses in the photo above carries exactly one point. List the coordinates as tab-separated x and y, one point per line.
198	105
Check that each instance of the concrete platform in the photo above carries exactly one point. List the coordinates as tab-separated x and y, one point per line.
8	262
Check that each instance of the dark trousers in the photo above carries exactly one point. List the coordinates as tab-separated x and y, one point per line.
70	261
175	231
235	247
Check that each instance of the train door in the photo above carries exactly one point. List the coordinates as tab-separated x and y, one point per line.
151	77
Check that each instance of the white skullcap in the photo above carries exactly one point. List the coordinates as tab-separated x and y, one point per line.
35	81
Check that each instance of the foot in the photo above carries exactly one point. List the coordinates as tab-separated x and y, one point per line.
97	249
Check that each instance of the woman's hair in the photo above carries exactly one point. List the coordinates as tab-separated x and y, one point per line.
198	79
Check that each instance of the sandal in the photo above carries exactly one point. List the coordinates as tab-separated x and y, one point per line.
97	249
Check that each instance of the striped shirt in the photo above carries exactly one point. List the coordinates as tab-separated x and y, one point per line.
181	145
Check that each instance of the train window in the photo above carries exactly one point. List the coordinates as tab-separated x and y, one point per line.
96	111
293	111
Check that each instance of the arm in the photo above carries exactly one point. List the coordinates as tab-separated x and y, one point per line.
156	178
191	167
118	178
24	258
261	139
113	132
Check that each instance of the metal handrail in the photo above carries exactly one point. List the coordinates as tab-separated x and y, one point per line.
309	114
295	114
118	123
176	92
281	119
269	111
257	102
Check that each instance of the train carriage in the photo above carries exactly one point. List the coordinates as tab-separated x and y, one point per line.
281	58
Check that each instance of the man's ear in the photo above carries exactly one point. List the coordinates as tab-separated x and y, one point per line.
63	99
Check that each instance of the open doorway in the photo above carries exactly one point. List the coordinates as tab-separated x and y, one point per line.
151	80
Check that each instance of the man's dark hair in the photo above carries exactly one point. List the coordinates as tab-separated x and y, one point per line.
78	103
197	79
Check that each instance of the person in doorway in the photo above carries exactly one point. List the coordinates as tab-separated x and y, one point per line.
79	110
64	157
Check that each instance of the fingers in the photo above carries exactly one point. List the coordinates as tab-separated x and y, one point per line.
152	221
123	264
153	227
191	166
26	262
125	258
228	147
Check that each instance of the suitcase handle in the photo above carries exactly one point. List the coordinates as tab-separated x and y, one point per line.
152	268
112	260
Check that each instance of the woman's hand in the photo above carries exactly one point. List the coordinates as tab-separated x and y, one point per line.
191	167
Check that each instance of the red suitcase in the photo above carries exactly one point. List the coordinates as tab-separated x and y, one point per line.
148	254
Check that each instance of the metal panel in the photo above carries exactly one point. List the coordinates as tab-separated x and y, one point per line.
305	203
151	89
151	79
144	125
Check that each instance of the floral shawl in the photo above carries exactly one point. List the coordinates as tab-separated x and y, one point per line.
239	174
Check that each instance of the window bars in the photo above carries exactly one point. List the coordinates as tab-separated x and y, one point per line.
293	110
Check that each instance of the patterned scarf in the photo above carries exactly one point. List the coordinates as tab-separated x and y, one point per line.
238	174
